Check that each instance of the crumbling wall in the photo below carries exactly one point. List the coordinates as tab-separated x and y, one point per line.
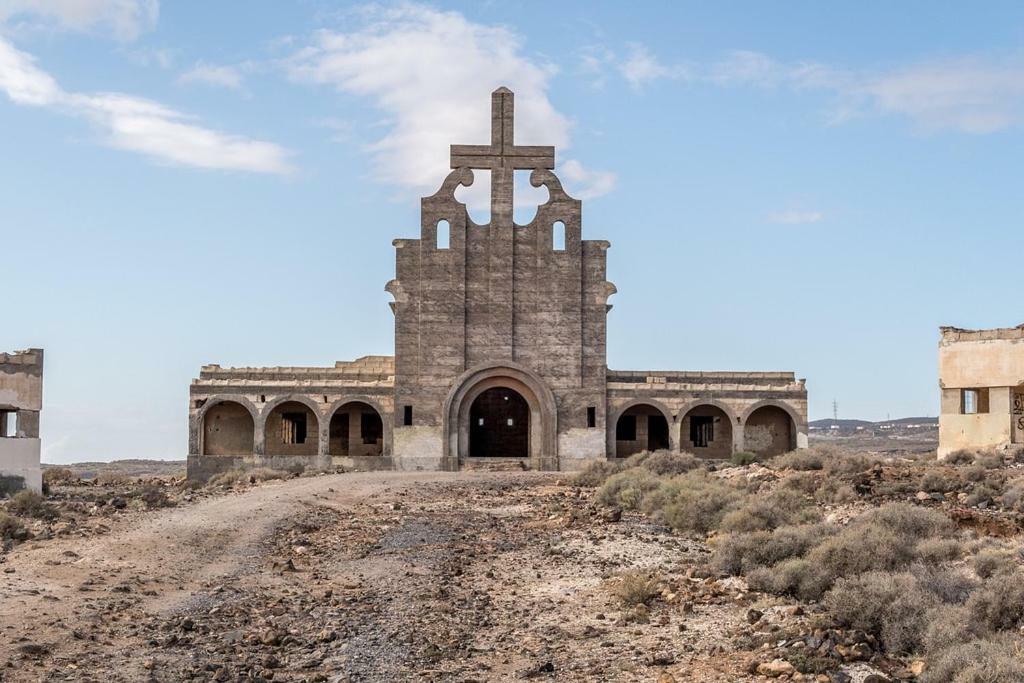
21	400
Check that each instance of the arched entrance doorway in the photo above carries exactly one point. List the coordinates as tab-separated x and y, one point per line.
356	429
769	431
641	427
499	424
540	421
292	428
706	431
228	429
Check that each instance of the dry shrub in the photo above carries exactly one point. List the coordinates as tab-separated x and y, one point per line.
780	507
1013	496
636	587
239	476
938	550
742	458
155	497
999	659
596	473
796	576
892	605
58	475
960	457
950	585
666	463
742	553
948	625
627	489
693	502
848	463
804	460
999	604
940	481
990	562
9	525
911	521
835	492
30	504
981	494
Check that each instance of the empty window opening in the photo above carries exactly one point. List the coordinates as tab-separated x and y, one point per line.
293	428
975	401
702	430
325	399
591	417
444	232
371	428
625	428
558	236
8	424
407	418
263	398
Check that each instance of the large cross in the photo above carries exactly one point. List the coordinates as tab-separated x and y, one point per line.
502	156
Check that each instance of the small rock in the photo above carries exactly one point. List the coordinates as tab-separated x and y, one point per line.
776	668
754	616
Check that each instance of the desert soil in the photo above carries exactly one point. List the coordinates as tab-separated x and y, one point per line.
369	577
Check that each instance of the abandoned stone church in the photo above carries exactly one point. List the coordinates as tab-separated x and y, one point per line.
500	356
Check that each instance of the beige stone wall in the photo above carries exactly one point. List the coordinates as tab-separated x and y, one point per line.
21	401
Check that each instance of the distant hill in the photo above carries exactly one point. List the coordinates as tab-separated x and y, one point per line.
853	424
126	468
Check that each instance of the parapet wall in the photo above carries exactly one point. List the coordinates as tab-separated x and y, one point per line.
21	400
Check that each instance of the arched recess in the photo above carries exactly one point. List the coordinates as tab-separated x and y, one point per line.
357	427
770	428
291	426
706	430
227	426
499	424
543	444
639	425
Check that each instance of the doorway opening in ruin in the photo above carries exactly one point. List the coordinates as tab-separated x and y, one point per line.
356	429
641	428
499	425
769	431
292	429
228	429
706	431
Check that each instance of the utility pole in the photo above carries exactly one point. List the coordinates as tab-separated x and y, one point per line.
835	410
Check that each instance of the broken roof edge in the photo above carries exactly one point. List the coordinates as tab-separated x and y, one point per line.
957	334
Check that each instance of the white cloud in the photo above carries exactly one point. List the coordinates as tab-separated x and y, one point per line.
139	125
641	67
432	73
125	19
590	184
795	217
211	74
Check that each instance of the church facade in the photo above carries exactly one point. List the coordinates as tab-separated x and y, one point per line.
500	357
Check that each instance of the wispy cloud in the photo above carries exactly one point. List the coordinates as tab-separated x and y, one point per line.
221	76
431	73
973	95
125	19
137	124
795	217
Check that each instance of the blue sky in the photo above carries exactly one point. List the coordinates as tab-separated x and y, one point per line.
790	185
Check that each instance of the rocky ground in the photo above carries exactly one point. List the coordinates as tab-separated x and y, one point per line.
393	577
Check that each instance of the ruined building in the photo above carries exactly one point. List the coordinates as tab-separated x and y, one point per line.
981	376
500	354
21	400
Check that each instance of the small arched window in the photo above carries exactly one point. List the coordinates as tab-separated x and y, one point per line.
558	236
444	231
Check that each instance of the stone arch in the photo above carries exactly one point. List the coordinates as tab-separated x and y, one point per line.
613	425
707	428
770	427
543	443
236	432
332	436
276	434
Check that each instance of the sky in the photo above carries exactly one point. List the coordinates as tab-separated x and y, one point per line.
801	186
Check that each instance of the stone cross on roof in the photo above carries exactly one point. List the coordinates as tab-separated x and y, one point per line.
502	156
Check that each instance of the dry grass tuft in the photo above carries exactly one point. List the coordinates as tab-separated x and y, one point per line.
636	587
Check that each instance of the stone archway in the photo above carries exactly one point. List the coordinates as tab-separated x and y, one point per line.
227	428
542	416
640	426
706	430
769	430
291	426
356	429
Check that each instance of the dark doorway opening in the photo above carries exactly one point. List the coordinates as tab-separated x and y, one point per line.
499	425
657	433
702	430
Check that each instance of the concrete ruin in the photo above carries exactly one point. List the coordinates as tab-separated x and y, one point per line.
500	356
21	400
981	377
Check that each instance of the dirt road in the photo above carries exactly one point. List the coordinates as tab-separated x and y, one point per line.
359	577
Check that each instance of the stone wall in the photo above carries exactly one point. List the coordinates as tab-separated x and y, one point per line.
21	400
